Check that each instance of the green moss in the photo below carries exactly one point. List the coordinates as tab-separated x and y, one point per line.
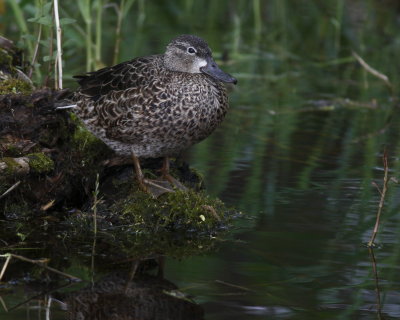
178	210
12	165
178	224
15	86
40	163
86	144
12	151
5	59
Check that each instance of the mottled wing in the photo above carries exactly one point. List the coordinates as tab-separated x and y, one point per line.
137	112
122	76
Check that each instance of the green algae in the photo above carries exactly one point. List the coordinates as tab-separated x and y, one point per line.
40	163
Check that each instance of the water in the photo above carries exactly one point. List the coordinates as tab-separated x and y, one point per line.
303	255
298	154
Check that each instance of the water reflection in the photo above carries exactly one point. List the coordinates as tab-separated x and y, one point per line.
135	293
143	297
124	295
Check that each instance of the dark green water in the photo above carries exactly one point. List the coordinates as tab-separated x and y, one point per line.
298	154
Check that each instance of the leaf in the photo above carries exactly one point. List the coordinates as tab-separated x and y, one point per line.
127	7
45	20
48	58
21	236
84	8
47	7
65	21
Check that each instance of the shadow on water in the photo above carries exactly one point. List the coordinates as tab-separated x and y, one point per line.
299	153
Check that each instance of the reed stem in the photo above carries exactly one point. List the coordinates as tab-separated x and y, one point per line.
58	70
382	200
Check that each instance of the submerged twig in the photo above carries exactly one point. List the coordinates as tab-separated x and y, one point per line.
48	306
377	289
134	267
382	200
3	304
232	285
3	270
37	262
39	295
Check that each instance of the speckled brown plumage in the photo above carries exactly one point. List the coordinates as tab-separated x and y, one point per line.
155	106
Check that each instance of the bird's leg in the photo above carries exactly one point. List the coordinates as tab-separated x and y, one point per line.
139	173
153	187
165	174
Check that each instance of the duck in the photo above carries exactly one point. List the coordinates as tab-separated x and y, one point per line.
155	106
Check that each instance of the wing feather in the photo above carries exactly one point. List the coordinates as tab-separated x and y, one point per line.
122	76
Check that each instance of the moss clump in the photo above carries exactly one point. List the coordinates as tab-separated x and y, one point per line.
15	86
5	59
88	146
187	211
11	164
40	163
178	224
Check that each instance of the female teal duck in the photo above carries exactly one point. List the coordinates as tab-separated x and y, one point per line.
155	106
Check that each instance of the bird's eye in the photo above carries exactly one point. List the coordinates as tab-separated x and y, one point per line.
191	50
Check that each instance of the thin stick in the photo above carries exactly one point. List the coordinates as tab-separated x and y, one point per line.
51	49
377	289
10	189
48	306
135	265
98	33
3	304
59	74
40	263
232	285
38	295
95	202
94	208
382	201
371	70
35	53
3	270
117	44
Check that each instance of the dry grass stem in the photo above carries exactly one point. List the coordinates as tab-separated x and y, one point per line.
232	285
10	189
371	70
382	200
58	68
3	270
376	278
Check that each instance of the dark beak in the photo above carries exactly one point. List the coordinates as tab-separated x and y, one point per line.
212	69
